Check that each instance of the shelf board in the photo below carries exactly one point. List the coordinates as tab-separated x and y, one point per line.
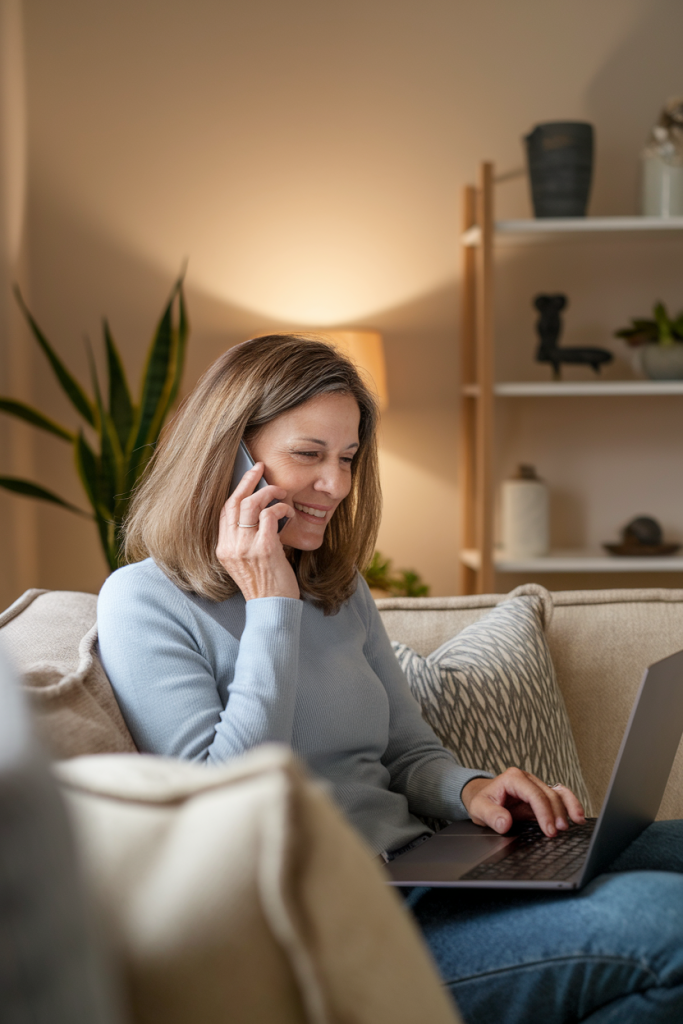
569	388
553	225
577	561
574	225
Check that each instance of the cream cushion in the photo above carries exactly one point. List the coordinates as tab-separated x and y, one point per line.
238	893
601	642
51	636
490	693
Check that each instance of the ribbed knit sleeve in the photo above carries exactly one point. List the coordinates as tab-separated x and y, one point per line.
161	660
419	765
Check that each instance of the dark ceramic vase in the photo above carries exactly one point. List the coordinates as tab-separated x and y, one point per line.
560	157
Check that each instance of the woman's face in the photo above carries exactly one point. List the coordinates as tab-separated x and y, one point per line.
309	451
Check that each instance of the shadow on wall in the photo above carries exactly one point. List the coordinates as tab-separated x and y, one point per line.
623	115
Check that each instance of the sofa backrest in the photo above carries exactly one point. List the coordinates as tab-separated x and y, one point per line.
601	642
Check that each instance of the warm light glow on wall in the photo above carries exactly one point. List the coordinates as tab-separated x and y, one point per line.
366	350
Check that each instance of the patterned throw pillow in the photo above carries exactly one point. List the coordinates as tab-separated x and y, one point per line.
491	696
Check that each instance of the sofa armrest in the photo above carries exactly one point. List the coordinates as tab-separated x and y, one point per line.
239	892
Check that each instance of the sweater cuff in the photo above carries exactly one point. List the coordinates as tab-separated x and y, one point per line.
475	774
272	614
465	775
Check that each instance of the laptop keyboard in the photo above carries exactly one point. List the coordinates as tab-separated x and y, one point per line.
536	858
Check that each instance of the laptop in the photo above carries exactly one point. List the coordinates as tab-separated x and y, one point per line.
467	855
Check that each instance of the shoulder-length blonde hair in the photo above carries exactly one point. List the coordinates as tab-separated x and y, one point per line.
175	510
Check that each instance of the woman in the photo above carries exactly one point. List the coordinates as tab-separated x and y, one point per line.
225	633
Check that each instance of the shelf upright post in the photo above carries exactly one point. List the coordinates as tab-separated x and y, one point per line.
467	408
485	378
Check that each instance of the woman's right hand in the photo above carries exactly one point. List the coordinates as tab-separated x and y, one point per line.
253	554
516	795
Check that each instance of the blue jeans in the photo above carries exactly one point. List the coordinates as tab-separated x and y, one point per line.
609	954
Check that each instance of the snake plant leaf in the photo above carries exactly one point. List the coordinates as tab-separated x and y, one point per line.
183	334
156	385
32	416
177	363
175	370
107	531
108	539
70	385
88	468
120	404
110	464
30	490
87	465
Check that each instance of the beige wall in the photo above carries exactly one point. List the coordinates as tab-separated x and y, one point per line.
308	158
18	520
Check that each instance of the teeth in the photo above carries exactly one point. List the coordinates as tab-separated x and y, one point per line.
310	511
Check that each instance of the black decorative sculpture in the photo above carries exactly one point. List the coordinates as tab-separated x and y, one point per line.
549	327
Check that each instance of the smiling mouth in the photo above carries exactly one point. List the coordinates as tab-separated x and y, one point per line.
316	513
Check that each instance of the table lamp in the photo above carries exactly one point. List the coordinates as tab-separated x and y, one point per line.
365	349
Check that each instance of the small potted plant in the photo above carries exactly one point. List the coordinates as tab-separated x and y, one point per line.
384	582
660	341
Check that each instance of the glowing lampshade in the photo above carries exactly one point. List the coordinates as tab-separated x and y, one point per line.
366	350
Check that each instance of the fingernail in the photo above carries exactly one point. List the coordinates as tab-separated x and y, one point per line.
500	824
551	830
561	823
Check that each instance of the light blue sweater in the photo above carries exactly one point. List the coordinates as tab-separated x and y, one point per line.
205	681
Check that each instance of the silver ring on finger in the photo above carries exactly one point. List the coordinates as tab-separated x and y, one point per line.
248	526
554	785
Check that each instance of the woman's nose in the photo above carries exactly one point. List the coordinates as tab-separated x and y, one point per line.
332	480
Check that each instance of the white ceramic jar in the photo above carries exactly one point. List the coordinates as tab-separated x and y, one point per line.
662	186
525	515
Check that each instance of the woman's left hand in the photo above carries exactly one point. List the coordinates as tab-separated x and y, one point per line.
519	796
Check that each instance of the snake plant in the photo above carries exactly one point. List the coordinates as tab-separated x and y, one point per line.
124	433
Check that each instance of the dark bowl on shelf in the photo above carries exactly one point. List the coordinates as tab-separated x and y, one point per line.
642	550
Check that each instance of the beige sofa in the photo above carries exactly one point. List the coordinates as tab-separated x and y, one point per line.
239	893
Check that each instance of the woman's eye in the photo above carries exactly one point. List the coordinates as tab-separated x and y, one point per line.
346	460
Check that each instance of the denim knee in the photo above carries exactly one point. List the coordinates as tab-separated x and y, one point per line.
618	943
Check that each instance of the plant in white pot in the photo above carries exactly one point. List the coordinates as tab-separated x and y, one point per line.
660	343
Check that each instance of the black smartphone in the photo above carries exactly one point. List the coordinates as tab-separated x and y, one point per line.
243	463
